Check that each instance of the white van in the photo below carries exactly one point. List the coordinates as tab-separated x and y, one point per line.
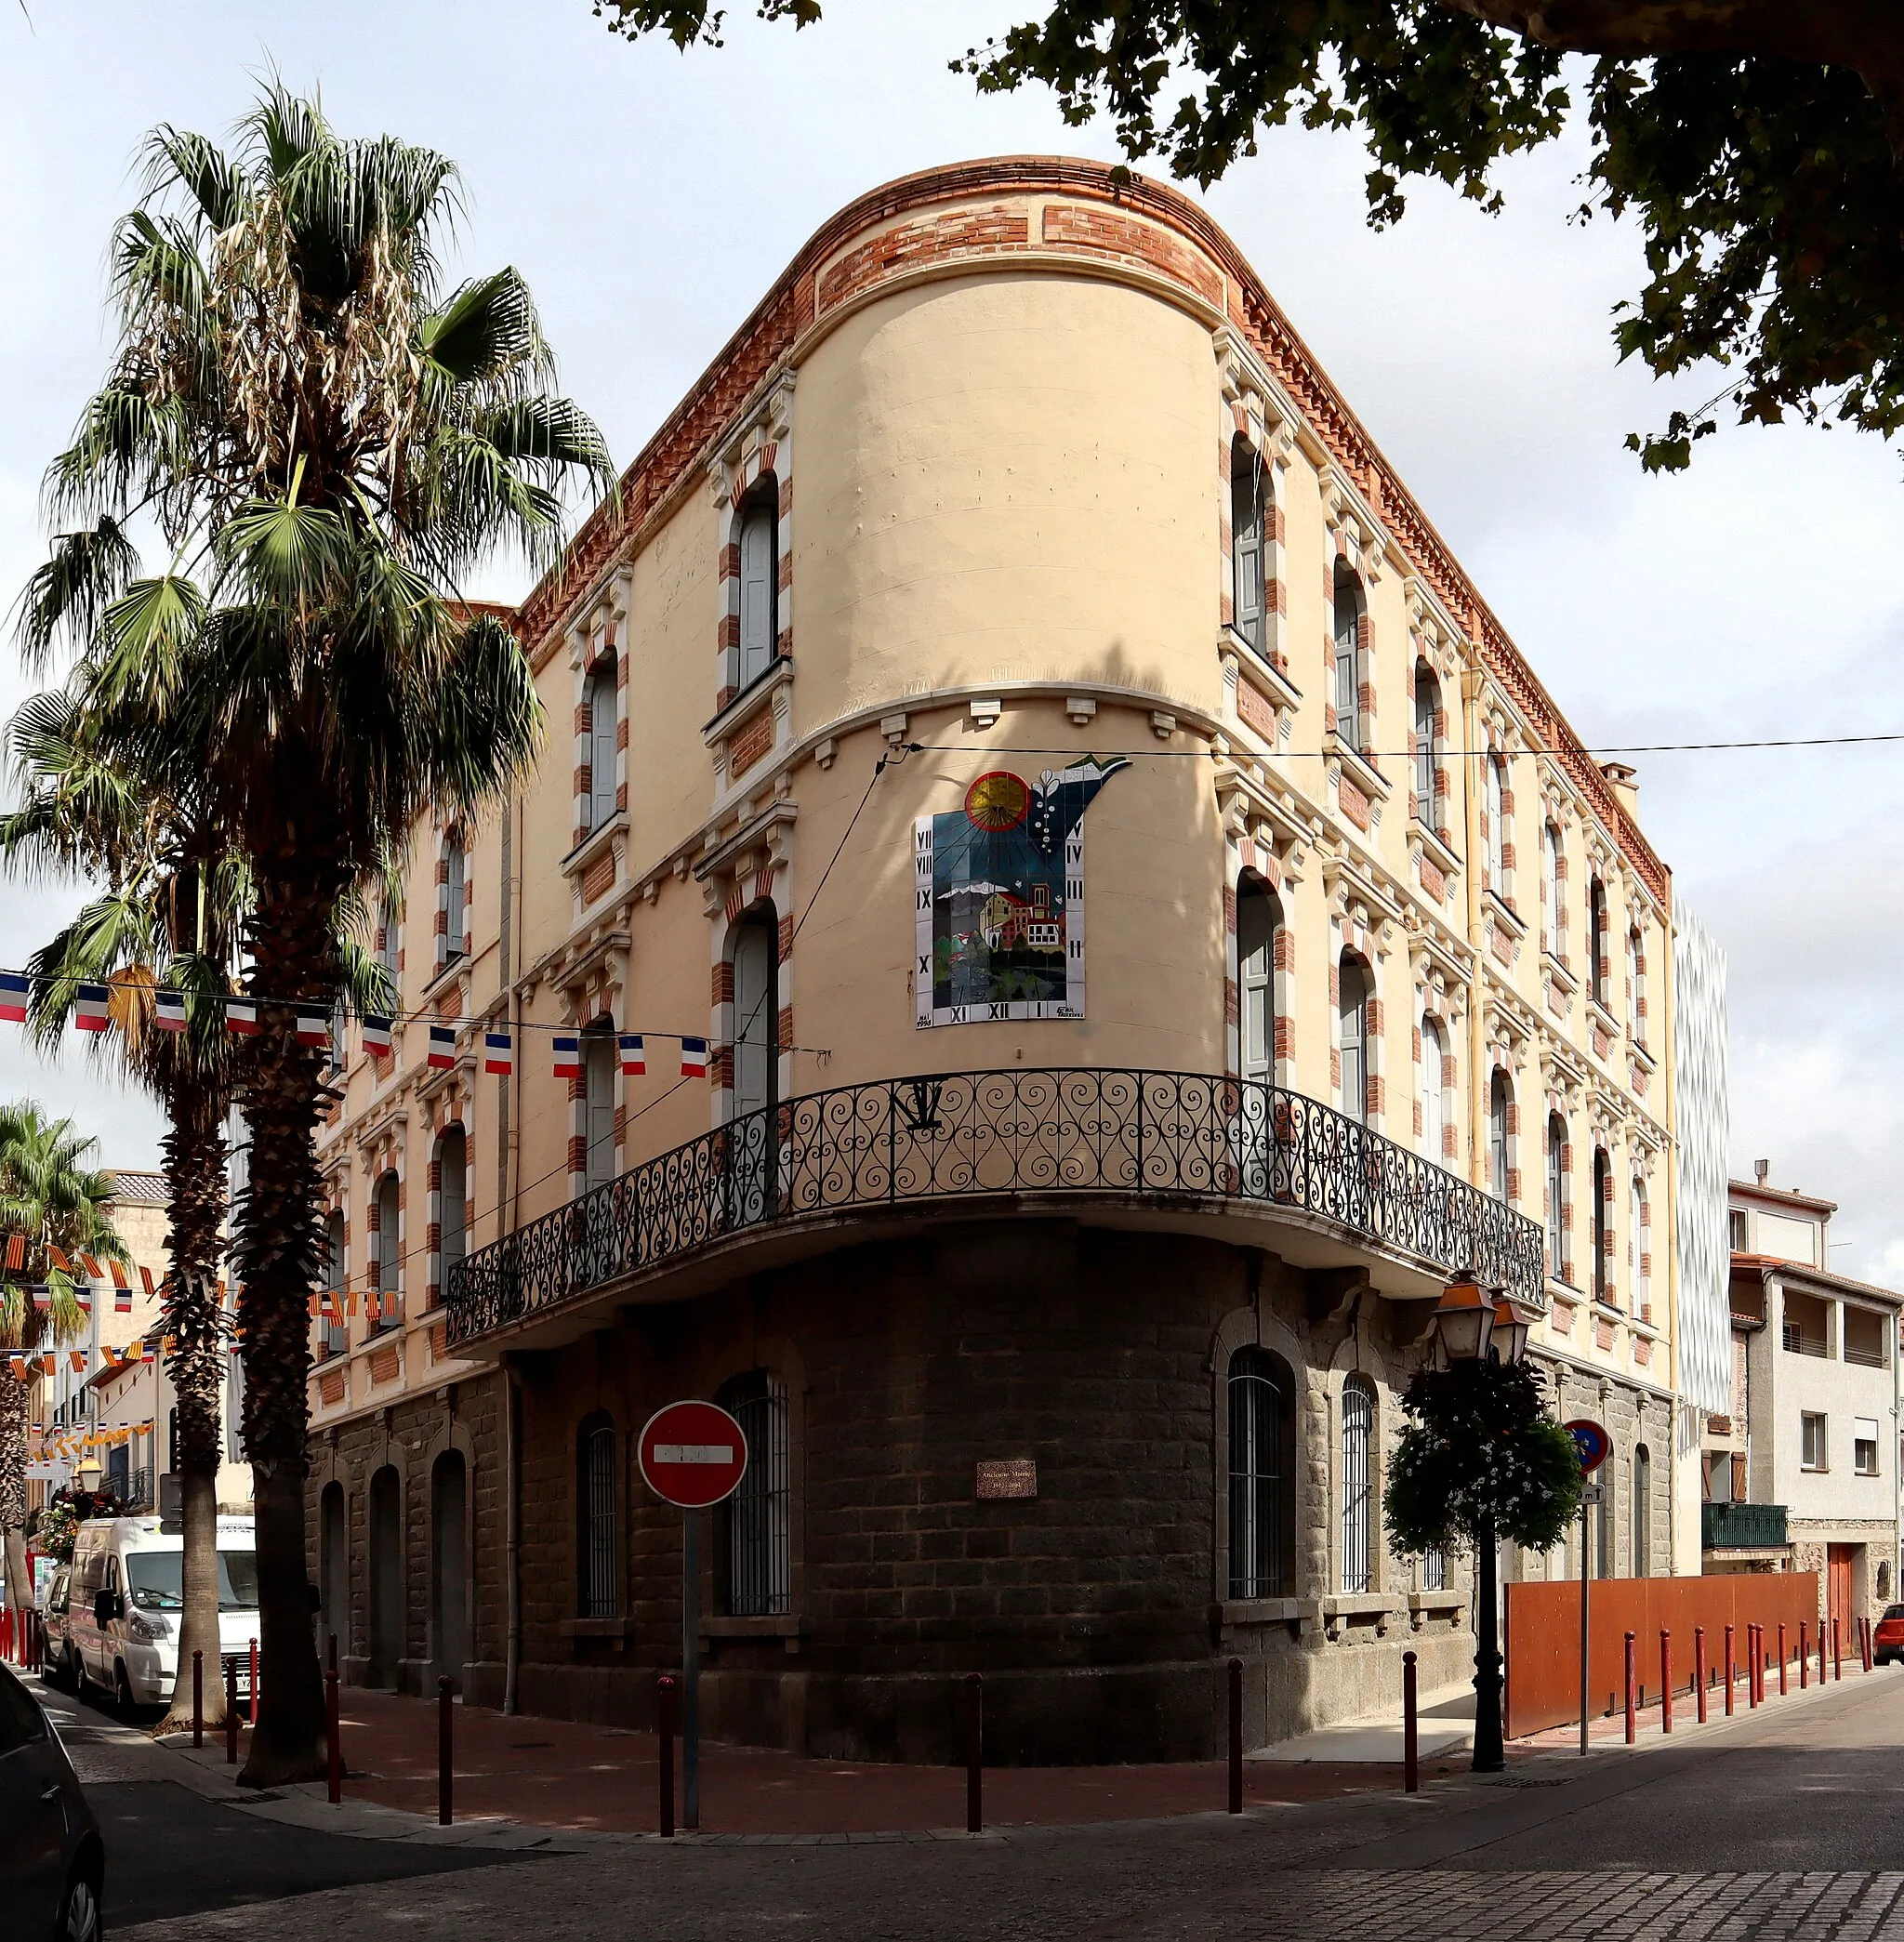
125	1603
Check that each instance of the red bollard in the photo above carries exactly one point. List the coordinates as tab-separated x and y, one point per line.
254	1683
1665	1680
1837	1664
445	1749
1804	1653
335	1763
663	1719
975	1752
1236	1736
1821	1652
1412	1770
1631	1724
231	1712
1783	1687
331	1661
1731	1676
1864	1628
197	1698
1752	1669
1699	1669
6	1632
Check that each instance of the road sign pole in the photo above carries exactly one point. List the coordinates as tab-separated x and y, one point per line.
1585	1634
691	1670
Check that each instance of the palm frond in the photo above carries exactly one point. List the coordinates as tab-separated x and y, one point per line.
68	591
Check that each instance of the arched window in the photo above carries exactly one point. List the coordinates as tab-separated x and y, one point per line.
1348	659
1359	1484
1603	1197
598	1099
1427	741
1598	968
453	1205
760	581
1550	889
1354	1009
755	1009
1500	1104
1642	1511
1556	1196
456	939
1434	1094
1635	1017
598	1570
598	710
389	1251
336	1336
1636	1290
1246	505
1262	1476
756	1548
1258	916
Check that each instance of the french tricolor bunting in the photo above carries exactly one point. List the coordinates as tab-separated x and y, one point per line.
91	1010
442	1047
15	989
241	1017
314	1030
568	1056
693	1058
634	1058
169	1010
498	1054
376	1037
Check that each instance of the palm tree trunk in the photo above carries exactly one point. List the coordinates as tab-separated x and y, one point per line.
13	1407
194	1158
279	1250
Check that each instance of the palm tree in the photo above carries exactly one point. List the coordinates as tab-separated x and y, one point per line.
328	440
57	1203
171	900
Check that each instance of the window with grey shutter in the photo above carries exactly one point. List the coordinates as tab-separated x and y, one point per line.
1427	705
1497	1134
1246	545
390	1253
1257	915
598	1090
758	586
1355	1038
335	1336
453	1198
455	940
1596	939
601	746
1603	1176
1556	1185
1348	661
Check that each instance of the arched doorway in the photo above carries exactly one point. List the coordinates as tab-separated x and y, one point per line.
333	1573
448	1589
386	1579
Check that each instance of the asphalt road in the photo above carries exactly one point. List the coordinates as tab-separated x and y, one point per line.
1779	1824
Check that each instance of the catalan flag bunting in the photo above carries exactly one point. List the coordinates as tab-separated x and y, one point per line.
57	1256
91	1009
442	1047
314	1029
169	1010
93	1270
118	1274
16	1252
15	988
498	1054
145	1274
568	1056
693	1058
376	1037
241	1017
634	1059
79	1362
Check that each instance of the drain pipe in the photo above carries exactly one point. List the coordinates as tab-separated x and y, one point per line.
512	1475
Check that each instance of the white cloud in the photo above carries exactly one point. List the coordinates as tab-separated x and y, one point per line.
652	197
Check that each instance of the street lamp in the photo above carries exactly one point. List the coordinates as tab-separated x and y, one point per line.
86	1474
1479	1325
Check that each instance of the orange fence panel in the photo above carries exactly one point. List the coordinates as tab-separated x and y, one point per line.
1543	1636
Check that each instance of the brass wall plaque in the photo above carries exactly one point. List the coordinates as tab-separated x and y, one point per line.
1007	1476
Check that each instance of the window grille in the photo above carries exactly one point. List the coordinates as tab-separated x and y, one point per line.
1358	1496
597	1590
1435	1571
759	1548
1261	1476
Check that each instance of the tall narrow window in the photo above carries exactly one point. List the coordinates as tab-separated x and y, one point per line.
456	939
757	1553
760	582
1556	1196
1603	1197
1262	1476
1258	914
1246	604
1642	1511
1597	968
1635	1020
453	1205
335	1339
1636	1250
1499	1099
1427	741
1433	1097
1358	1488
1354	1011
389	1251
599	708
386	936
1348	659
598	1577
1550	889
1495	804
755	1009
598	1094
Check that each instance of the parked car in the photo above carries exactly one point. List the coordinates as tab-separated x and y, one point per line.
126	1598
52	1861
1888	1640
55	1663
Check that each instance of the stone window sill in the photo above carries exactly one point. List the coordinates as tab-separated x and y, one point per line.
617	1629
594	844
1283	691
1436	1601
1358	768
1435	849
785	1625
776	674
1265	1611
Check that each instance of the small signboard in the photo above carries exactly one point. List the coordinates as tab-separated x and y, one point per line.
1591	1441
692	1454
1006	1476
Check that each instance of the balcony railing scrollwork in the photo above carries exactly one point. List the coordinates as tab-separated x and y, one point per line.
970	1135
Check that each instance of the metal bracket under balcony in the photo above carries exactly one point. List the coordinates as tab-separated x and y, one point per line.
1181	1147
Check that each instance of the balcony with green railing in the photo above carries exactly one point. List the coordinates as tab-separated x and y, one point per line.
1741	1526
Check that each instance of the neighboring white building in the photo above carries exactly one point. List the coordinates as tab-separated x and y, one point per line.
1803	1474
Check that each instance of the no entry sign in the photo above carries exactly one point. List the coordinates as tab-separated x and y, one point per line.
692	1454
1591	1441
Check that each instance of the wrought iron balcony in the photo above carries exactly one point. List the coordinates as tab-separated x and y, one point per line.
1741	1526
1162	1137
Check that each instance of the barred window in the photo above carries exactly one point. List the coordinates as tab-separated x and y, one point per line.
1359	1489
598	1591
1435	1571
758	1550
1262	1476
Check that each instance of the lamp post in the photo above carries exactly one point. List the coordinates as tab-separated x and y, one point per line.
87	1474
1477	1325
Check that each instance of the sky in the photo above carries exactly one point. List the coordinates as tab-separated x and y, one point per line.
651	198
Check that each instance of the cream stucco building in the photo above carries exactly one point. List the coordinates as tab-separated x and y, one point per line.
1149	924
